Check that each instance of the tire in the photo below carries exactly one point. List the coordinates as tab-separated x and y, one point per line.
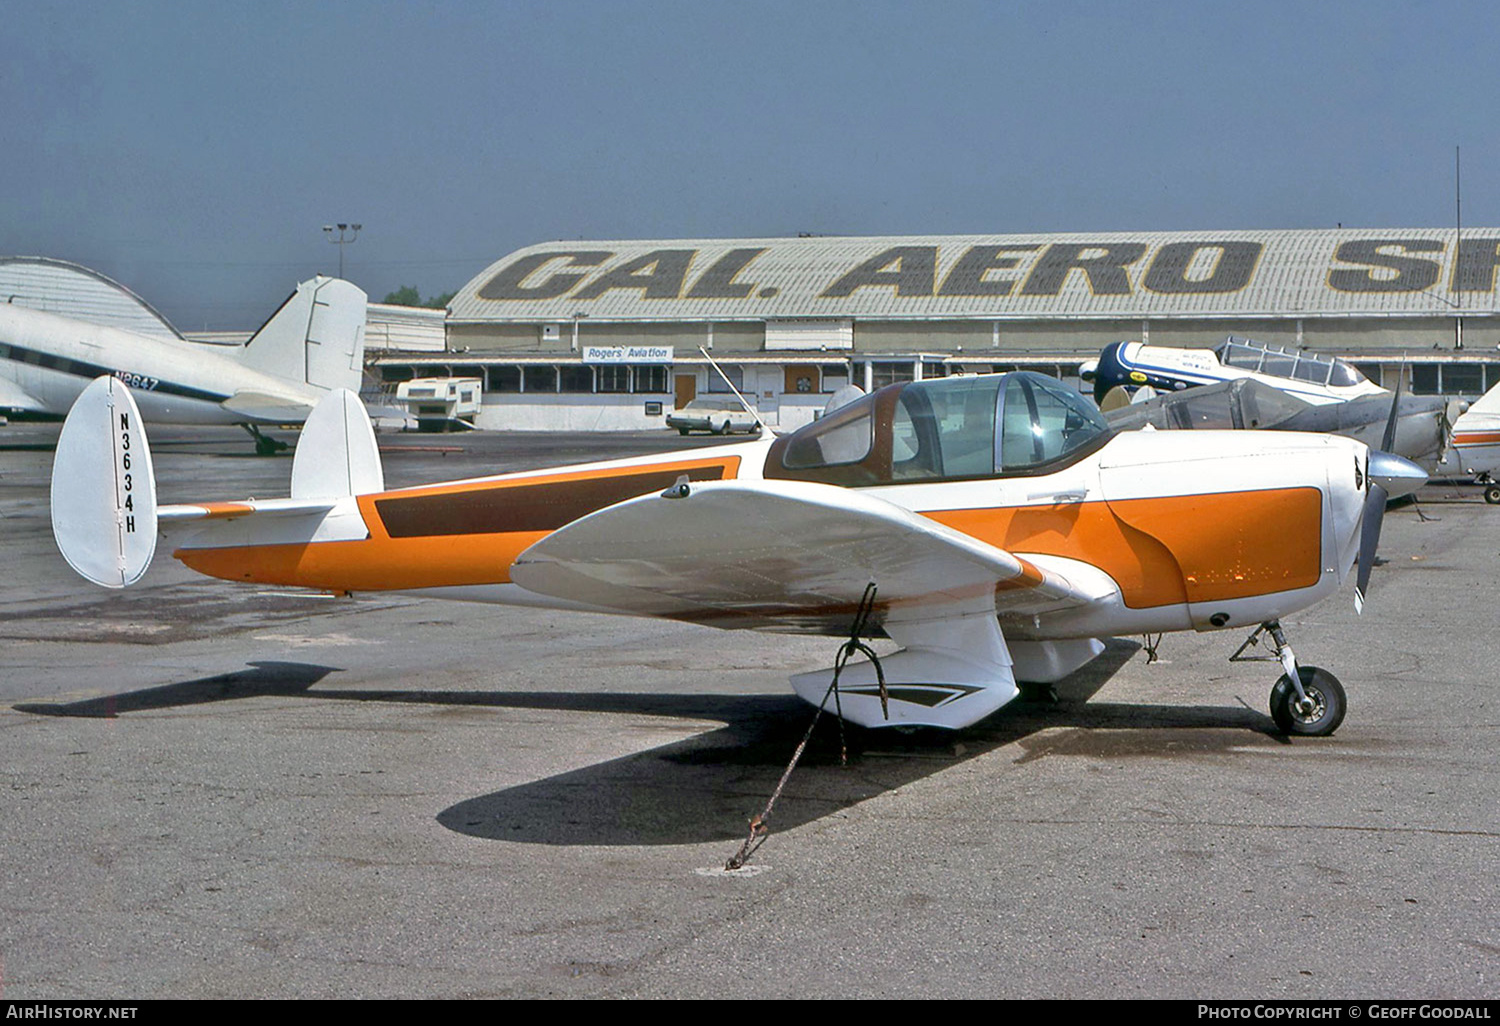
1492	494
683	432
1327	695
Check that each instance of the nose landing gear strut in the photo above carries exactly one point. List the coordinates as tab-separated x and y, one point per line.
1307	701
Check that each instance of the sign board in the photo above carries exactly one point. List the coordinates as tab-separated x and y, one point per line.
627	354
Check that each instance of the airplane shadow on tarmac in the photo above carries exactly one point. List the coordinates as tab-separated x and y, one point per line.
706	788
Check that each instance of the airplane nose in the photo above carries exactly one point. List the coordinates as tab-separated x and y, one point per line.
1398	475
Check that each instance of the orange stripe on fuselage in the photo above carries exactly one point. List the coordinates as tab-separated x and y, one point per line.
407	558
1476	438
1165	551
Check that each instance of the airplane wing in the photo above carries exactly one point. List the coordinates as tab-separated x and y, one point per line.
783	553
797	556
14	397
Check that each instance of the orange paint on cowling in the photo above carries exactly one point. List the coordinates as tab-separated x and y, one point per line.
1166	551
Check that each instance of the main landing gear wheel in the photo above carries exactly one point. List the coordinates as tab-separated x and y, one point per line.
1323	711
1492	494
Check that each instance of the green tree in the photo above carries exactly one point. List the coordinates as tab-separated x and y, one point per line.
406	295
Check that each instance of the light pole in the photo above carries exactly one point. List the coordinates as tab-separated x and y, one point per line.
342	241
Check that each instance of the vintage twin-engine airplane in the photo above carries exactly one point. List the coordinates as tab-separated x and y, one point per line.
993	526
1313	377
312	344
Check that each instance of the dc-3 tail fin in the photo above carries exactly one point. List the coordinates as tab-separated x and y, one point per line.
104	487
316	337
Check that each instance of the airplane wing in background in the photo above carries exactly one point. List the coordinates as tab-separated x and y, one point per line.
14	397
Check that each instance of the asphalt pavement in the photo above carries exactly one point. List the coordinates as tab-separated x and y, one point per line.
210	790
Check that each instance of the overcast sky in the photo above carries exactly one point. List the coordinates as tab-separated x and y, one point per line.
194	150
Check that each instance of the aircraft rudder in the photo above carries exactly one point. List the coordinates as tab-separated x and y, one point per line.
316	337
103	492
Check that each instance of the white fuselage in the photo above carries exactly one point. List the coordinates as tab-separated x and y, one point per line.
1202	367
46	361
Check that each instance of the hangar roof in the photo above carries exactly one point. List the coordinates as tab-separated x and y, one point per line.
1330	272
72	290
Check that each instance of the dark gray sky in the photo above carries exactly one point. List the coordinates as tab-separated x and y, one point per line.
194	150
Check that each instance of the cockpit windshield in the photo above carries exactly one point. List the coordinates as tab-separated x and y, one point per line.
1313	368
946	429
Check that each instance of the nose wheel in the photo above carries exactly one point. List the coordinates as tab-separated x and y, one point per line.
1307	701
1317	711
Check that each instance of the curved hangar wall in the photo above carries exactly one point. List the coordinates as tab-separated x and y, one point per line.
793	315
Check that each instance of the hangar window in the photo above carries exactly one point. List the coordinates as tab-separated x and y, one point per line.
540	379
503	379
652	379
1456	379
612	378
735	374
883	374
575	378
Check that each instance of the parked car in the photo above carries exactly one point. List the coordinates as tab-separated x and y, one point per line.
721	416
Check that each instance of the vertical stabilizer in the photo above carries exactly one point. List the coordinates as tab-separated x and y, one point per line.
336	452
104	487
316	337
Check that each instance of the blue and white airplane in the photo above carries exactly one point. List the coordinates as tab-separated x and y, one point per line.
1314	377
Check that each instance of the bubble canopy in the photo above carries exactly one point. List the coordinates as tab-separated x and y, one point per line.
945	429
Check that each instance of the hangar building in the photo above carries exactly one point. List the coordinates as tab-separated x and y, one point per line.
605	335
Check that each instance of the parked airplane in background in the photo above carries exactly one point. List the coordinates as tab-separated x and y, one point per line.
1476	440
312	344
993	526
1421	422
1313	377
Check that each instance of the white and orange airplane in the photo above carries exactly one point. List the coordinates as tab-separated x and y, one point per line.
994	527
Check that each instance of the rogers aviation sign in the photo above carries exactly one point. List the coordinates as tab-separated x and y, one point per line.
1300	270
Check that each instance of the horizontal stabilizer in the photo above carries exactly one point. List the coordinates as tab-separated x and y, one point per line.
104	487
248	507
259	407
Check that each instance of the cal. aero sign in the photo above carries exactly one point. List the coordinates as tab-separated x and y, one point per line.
1007	271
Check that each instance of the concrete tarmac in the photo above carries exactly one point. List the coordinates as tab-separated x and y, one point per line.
210	790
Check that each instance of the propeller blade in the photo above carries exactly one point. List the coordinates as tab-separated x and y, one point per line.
1388	440
1369	541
